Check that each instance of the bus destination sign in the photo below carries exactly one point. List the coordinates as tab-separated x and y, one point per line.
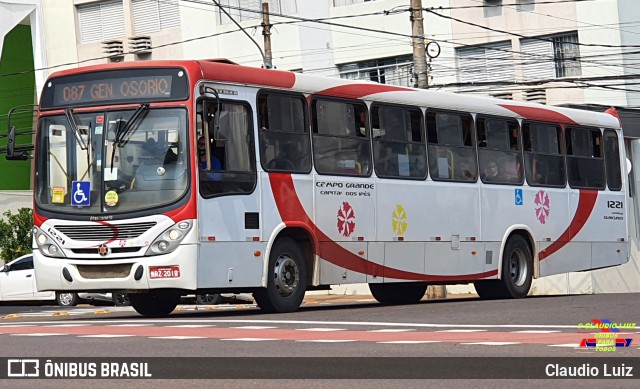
115	87
109	90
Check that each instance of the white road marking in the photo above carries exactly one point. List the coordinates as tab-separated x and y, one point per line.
411	341
535	332
254	328
128	325
393	330
38	334
105	336
571	345
251	339
494	343
177	337
462	331
327	340
320	329
191	326
16	325
69	325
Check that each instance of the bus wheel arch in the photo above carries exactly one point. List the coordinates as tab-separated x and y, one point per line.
516	269
288	275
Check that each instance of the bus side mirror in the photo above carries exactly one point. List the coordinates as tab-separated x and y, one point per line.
11	142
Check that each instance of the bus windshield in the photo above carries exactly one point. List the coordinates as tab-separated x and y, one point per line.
110	162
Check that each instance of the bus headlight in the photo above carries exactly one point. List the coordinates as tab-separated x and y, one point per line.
170	239
46	245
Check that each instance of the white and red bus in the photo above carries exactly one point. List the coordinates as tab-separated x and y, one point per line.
304	182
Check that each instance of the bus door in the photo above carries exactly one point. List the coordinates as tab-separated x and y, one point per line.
228	202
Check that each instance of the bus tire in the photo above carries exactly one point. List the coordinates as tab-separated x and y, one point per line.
66	299
208	298
154	304
287	278
488	289
517	268
400	293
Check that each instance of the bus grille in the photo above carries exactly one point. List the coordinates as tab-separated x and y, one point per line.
101	232
100	271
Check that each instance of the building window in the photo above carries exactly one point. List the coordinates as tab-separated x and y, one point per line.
550	57
486	63
342	3
243	10
155	15
100	21
566	55
391	71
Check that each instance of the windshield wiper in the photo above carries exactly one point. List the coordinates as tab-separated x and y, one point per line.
74	127
122	132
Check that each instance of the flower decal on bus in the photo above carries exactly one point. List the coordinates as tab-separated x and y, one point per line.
399	220
543	208
346	219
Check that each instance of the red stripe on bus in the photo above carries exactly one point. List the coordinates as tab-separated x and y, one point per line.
586	203
537	113
360	90
292	213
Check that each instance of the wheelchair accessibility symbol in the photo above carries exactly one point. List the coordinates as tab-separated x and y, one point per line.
519	200
80	193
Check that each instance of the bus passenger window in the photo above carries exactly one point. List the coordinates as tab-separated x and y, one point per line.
340	138
451	148
284	136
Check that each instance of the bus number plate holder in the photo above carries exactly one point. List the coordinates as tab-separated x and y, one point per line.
164	272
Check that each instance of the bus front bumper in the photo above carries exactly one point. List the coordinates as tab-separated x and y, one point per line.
176	270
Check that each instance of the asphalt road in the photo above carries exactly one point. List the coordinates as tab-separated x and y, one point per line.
523	332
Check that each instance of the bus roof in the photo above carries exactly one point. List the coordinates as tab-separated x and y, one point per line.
225	71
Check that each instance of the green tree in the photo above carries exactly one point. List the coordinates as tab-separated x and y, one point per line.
16	234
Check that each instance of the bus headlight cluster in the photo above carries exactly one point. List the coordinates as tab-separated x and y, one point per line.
170	239
47	246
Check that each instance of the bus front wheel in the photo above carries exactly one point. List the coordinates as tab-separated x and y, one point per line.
401	293
287	278
154	304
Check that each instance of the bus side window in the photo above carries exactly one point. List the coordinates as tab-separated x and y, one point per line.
399	145
585	160
451	147
340	137
283	133
543	155
612	160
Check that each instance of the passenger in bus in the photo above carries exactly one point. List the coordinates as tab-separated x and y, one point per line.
463	170
216	165
285	160
511	168
491	171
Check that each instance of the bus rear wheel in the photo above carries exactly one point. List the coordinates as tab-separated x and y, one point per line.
154	304
517	272
401	293
287	278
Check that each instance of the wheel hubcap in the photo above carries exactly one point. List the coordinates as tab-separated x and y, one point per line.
518	267
286	276
65	298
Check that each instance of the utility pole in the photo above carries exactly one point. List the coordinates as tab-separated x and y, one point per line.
266	32
419	56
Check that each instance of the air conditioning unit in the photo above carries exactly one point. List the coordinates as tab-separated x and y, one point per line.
113	48
140	44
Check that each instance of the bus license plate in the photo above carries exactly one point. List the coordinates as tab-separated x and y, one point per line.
164	272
